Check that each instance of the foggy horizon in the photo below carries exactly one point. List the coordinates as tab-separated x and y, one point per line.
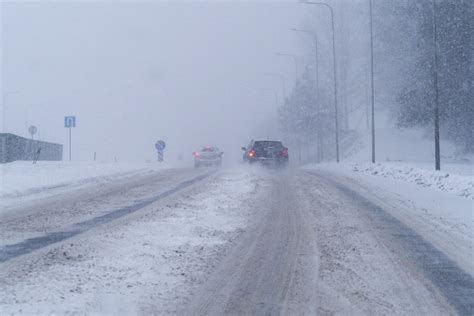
133	73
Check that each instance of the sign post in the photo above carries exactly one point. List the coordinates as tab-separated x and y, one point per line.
70	122
160	147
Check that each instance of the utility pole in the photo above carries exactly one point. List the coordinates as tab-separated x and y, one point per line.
436	106
372	97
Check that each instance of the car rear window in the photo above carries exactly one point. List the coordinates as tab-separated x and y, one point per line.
208	149
268	144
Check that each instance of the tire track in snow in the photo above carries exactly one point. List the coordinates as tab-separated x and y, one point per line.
12	251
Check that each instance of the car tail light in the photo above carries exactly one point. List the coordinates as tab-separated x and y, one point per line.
196	154
252	154
284	152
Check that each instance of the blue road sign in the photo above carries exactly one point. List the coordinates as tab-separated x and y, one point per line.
160	145
69	121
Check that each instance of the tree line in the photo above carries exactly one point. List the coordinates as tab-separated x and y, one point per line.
404	48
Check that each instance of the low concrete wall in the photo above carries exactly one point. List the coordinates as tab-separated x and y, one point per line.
13	147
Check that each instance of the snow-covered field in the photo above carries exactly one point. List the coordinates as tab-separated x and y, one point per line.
141	264
22	179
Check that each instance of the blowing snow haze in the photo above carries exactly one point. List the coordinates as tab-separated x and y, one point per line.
319	157
135	72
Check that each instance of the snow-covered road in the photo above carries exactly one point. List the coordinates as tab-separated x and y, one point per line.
145	260
322	247
238	241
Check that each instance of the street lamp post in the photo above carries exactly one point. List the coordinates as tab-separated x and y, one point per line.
315	37
436	106
372	97
334	70
4	107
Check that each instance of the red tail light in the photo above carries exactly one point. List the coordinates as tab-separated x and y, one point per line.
252	154
196	154
284	153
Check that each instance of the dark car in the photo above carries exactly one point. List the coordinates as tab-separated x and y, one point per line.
207	156
266	152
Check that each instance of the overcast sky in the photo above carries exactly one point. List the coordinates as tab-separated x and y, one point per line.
190	73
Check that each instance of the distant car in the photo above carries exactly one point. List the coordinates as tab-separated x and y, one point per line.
266	152
207	156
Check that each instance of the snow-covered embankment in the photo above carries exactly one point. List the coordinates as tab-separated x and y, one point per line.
437	205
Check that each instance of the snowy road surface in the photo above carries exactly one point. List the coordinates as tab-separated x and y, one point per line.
230	242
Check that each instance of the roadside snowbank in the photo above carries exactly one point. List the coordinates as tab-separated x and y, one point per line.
461	185
457	179
22	178
439	207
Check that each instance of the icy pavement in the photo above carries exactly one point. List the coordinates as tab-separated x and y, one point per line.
140	264
319	248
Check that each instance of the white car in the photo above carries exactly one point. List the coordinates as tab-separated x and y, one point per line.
207	156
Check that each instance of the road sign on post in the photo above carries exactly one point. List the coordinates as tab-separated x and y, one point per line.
160	147
70	122
160	155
